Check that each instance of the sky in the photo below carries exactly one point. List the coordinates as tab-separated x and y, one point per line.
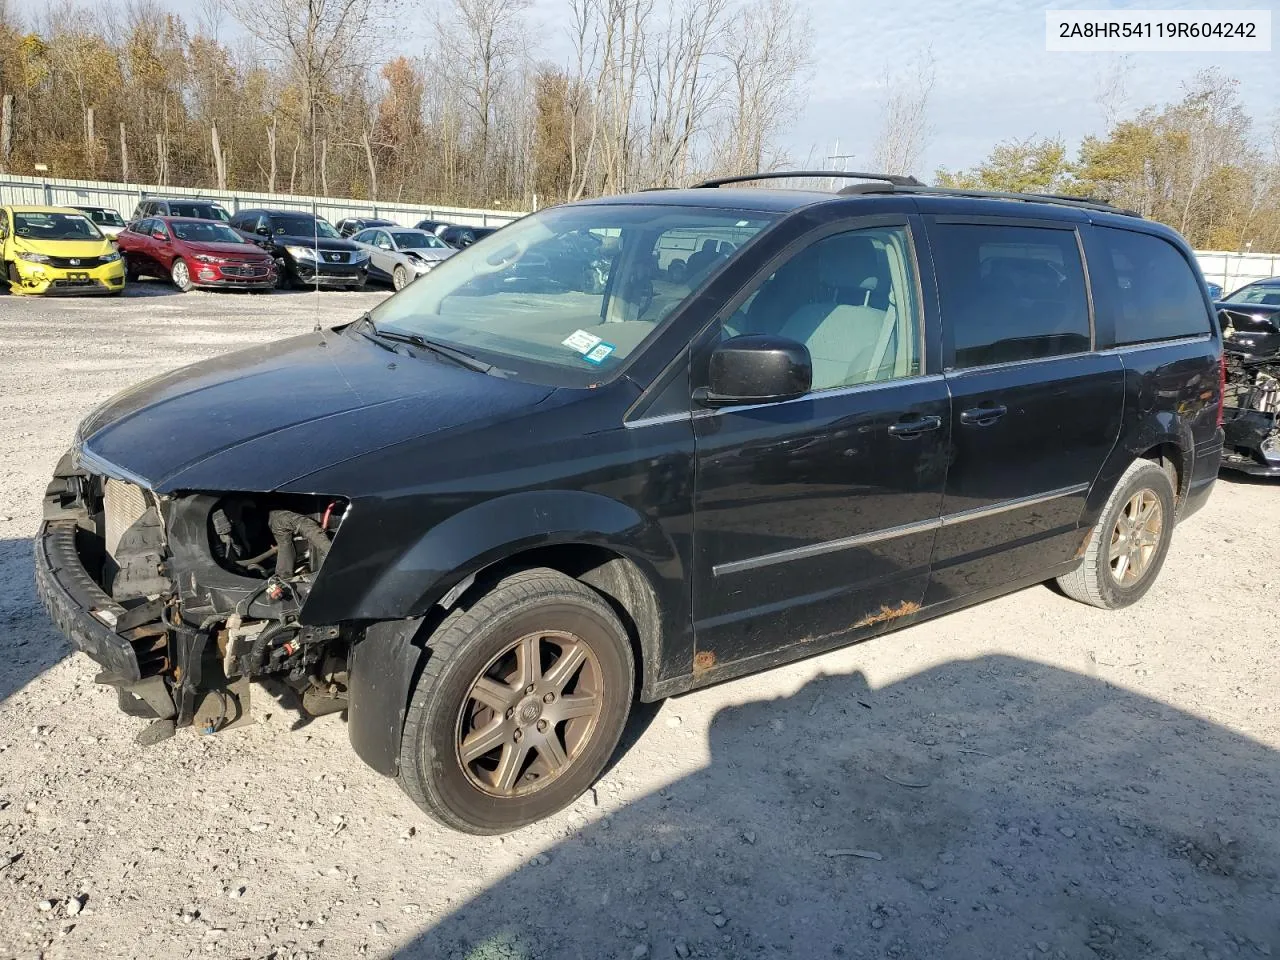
994	79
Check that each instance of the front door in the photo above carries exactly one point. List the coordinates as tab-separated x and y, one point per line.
815	518
1034	411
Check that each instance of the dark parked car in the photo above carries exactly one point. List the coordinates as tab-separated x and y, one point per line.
353	225
480	521
431	226
191	207
307	250
459	235
194	253
1250	320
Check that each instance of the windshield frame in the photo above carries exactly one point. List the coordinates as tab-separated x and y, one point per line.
548	373
176	225
1256	284
316	226
64	215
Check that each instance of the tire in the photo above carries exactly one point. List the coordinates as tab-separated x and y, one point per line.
477	643
1096	580
130	271
180	273
399	278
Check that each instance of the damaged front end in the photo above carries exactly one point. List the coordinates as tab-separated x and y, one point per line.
182	599
1251	395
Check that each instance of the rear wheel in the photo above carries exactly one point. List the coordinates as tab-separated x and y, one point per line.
520	705
1128	545
181	275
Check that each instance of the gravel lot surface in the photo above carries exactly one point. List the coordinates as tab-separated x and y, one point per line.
1029	778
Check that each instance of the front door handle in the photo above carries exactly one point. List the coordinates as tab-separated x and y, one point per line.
906	429
982	416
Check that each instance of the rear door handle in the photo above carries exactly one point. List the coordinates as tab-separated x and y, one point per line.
906	429
982	416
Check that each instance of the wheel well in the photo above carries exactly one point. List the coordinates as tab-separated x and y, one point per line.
615	577
1169	456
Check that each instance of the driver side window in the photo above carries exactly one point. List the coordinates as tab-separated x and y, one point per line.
850	298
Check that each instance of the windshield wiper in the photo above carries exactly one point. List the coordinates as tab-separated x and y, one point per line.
453	353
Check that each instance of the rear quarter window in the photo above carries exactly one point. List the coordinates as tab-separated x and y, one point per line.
1154	292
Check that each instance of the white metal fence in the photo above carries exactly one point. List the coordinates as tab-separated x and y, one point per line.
1233	270
1230	270
124	197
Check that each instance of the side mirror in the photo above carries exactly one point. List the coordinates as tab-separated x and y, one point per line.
159	235
757	368
384	246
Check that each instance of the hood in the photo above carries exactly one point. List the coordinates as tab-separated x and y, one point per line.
64	248
110	230
245	250
260	418
429	254
310	240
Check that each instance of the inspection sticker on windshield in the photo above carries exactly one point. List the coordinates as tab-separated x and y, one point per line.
582	341
597	353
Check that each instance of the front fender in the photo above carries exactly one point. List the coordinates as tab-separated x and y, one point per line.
483	534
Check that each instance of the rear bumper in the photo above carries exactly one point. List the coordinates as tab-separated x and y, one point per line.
75	603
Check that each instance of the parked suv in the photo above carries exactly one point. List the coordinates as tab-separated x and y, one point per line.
191	207
482	520
307	250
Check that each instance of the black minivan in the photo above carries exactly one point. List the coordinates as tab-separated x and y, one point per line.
484	517
308	251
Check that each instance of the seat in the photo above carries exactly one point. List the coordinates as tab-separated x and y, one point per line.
849	341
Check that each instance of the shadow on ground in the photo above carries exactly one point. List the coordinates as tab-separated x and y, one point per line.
992	808
29	645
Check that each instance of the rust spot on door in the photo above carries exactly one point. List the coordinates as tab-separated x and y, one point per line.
887	613
703	660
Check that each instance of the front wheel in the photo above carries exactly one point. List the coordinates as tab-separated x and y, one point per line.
1127	547
181	275
399	278
520	705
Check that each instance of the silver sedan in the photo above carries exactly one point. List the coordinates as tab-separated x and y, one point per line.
400	255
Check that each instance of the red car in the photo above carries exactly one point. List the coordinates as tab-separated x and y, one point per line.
194	253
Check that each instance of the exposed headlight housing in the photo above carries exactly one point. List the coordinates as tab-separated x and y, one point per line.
33	257
302	253
359	255
111	257
1270	448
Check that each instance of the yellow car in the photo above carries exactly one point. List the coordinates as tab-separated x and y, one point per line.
56	250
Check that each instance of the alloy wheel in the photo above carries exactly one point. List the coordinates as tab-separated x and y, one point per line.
181	275
1135	538
529	714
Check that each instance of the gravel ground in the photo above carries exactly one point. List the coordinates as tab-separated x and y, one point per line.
1029	778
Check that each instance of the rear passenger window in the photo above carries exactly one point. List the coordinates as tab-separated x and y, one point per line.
1010	293
1156	294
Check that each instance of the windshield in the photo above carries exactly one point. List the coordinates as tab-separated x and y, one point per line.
303	226
419	241
565	295
54	226
108	218
1260	293
205	232
200	211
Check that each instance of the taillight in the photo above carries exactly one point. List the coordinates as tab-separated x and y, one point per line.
1222	385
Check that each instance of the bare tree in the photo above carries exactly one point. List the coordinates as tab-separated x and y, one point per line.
767	50
904	128
1112	89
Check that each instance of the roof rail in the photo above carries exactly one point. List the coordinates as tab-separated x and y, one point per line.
892	179
1059	199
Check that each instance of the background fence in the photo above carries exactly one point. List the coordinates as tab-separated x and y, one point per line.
1234	270
124	197
1230	270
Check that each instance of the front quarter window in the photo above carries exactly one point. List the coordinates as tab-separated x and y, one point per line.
566	295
